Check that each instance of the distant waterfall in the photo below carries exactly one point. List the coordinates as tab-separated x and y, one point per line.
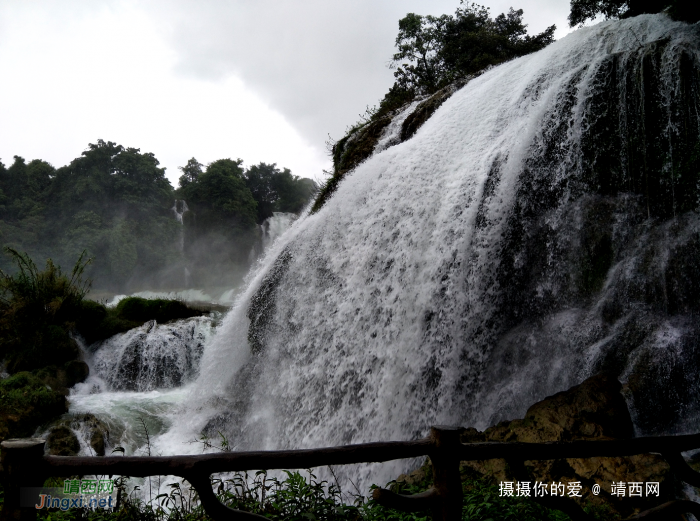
179	209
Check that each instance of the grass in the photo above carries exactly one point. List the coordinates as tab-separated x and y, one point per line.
299	497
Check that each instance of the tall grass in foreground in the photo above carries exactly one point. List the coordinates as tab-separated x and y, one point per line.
299	497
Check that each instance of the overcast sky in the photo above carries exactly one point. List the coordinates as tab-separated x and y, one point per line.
263	80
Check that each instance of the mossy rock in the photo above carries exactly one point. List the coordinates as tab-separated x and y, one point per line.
62	441
61	379
97	431
49	345
99	323
426	109
592	410
27	403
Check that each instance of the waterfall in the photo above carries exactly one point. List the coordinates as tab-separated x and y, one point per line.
153	356
179	209
541	226
392	133
273	227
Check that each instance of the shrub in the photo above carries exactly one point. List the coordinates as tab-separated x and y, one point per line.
37	311
141	310
25	402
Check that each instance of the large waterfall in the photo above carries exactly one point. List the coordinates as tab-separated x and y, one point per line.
540	227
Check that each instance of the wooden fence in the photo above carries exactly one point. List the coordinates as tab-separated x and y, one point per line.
25	465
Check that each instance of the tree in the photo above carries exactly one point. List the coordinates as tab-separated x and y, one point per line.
434	51
583	10
190	172
220	197
260	180
419	42
293	193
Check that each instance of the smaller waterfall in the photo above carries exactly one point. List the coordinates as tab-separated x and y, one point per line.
392	133
179	209
153	356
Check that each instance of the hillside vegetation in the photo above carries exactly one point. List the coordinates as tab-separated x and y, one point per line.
117	205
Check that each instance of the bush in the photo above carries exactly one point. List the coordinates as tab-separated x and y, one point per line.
96	322
25	402
37	311
141	310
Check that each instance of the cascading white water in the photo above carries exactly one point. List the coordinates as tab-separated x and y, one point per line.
385	312
187	295
436	285
153	356
392	133
273	227
139	376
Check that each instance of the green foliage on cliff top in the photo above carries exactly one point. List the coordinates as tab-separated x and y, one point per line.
434	51
583	10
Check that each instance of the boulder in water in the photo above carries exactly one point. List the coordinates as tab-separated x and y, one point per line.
62	441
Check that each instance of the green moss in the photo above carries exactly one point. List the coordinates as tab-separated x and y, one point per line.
99	323
161	310
349	152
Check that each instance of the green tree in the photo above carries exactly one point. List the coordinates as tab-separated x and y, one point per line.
434	51
583	10
114	202
418	62
293	192
220	197
260	181
190	172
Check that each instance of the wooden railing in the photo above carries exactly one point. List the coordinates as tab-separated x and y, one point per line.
25	465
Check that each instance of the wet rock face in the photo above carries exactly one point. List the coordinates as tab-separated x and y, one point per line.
594	409
63	438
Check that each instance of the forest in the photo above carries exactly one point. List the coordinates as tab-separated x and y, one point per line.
115	203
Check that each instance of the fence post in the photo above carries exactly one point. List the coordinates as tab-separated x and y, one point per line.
21	467
446	478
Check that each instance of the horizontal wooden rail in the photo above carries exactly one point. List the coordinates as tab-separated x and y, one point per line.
141	466
579	448
23	463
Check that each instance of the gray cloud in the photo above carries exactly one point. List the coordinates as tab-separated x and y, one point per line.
318	62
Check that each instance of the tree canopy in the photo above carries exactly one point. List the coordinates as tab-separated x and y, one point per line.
583	10
115	203
433	51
